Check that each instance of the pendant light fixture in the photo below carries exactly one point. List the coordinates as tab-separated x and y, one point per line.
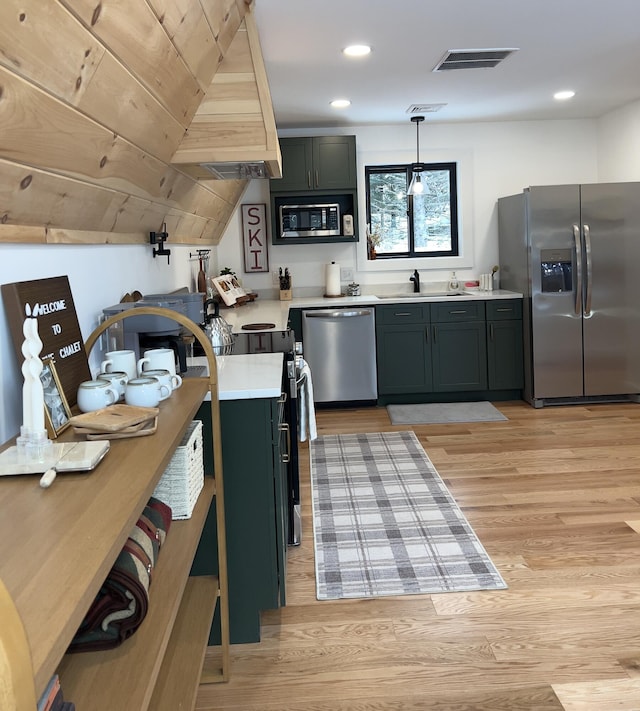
416	186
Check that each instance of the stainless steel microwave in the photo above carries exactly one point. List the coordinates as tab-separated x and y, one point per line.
321	220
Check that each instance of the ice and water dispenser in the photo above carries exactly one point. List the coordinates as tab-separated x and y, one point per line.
556	271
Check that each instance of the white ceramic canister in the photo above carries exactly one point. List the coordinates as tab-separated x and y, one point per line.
117	378
164	377
122	361
145	392
157	359
96	394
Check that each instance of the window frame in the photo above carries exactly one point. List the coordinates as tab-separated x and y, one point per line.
451	168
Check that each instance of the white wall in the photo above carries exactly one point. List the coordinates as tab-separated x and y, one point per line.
495	159
99	276
618	142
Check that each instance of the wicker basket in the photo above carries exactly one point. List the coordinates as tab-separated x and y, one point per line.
183	479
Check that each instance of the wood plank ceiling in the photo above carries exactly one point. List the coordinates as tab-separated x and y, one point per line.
95	98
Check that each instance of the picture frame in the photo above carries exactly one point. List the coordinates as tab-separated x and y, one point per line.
56	408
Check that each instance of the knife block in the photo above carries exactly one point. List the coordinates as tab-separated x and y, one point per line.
285	294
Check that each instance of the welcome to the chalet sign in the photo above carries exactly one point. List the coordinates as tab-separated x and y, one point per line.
51	302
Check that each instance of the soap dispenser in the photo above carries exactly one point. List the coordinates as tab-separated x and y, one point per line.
453	284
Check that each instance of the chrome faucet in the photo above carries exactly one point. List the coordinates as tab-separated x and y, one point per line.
416	281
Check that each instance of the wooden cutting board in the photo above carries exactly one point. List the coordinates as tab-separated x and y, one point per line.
146	428
114	418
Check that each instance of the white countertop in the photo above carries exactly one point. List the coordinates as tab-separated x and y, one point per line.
270	311
248	376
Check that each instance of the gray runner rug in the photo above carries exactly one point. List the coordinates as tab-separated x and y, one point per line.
443	412
385	523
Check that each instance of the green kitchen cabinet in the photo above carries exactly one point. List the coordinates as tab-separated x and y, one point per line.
505	359
459	346
317	163
459	353
255	491
403	350
449	350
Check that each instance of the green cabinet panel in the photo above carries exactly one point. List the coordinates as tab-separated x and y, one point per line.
318	163
504	310
255	513
297	165
505	355
295	322
404	358
459	353
334	162
457	311
396	314
449	347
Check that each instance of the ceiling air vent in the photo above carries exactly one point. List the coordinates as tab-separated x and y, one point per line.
472	59
424	108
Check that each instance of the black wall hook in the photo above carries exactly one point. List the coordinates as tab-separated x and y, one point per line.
160	238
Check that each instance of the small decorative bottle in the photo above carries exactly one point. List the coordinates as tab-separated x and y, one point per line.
453	283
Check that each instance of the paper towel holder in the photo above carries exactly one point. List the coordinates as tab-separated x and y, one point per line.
332	278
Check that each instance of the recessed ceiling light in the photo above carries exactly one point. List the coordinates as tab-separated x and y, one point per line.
340	103
564	95
357	50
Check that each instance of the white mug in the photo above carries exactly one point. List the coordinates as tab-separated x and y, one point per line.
96	394
158	359
118	380
123	361
145	392
164	377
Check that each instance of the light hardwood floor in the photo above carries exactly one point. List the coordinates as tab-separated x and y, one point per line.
554	496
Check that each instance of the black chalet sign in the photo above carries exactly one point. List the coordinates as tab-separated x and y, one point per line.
51	302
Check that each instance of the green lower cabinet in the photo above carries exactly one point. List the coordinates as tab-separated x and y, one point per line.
449	351
404	359
505	355
459	353
255	513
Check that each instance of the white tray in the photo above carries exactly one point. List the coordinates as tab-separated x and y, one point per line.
63	457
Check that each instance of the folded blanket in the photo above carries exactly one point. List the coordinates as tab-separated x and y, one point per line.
122	602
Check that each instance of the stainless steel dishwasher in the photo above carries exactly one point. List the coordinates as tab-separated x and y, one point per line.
340	347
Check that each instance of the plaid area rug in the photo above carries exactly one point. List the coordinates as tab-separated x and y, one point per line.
385	523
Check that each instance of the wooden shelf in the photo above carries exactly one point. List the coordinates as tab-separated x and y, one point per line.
93	680
177	685
59	545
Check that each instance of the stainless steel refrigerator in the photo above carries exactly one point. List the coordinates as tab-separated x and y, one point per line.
574	252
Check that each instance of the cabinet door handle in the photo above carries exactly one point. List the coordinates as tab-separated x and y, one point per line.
504	310
435	333
317	178
402	313
309	179
285	457
459	311
491	332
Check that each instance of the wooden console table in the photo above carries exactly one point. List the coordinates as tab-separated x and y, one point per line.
58	545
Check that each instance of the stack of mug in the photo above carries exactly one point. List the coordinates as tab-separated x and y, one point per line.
144	383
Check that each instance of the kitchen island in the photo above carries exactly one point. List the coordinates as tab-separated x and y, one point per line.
254	449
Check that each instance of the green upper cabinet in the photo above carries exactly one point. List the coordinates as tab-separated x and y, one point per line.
318	163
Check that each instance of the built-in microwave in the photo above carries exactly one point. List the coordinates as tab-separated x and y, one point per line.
317	220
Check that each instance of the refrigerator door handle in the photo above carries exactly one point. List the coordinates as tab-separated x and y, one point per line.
578	247
587	254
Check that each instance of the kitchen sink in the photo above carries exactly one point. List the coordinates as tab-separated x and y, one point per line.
404	295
